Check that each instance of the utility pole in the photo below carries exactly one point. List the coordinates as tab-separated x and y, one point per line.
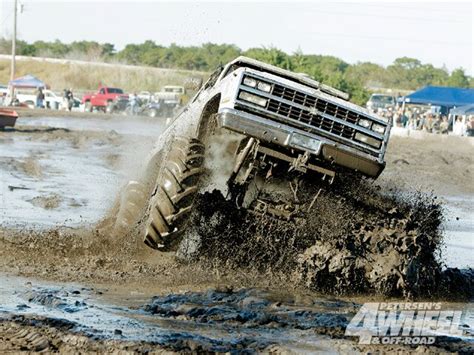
15	11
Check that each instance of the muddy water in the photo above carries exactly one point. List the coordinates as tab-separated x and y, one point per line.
122	125
216	320
44	183
212	320
67	171
459	235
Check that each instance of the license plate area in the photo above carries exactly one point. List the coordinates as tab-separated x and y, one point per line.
307	143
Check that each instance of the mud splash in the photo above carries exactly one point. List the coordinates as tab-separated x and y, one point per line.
358	238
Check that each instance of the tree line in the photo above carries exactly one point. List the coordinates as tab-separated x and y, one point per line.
357	79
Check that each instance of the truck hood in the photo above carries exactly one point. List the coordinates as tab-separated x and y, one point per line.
300	78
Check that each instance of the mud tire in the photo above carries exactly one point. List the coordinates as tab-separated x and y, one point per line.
132	203
110	107
173	198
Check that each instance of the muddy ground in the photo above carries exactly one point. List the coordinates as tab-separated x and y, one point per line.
68	283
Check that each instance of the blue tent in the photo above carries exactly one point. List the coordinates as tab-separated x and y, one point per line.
27	81
463	110
441	96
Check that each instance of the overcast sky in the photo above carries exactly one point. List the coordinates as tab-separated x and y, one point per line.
434	32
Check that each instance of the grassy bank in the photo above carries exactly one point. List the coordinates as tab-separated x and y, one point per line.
86	76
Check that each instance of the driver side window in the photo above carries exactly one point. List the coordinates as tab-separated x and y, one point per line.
213	78
210	82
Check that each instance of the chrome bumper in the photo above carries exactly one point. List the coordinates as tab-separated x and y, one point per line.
277	133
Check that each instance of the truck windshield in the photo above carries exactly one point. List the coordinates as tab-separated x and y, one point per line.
384	99
114	91
175	90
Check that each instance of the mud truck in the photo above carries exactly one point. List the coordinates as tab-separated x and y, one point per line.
259	134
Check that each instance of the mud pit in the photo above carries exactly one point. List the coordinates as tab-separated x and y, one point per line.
236	284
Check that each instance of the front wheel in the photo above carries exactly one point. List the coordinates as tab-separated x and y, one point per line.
110	107
88	106
177	186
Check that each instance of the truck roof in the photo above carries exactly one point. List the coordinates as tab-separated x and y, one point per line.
256	64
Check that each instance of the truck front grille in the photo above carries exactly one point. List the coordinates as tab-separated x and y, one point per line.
310	113
314	120
321	105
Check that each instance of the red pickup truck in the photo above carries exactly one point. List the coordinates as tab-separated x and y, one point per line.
104	99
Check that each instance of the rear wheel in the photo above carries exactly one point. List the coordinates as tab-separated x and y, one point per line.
88	106
176	188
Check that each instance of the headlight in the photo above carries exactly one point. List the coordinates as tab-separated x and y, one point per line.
364	123
246	96
378	128
367	140
264	86
250	82
254	83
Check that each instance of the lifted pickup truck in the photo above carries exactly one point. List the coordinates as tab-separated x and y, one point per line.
266	138
104	99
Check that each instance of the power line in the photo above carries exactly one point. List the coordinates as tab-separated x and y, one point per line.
391	39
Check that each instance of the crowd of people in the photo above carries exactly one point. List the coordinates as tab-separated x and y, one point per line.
423	119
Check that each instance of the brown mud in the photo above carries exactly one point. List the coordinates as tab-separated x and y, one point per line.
375	241
356	240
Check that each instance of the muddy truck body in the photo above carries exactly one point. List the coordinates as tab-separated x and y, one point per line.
258	133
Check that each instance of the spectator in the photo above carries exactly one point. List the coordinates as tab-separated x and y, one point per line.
39	98
444	125
436	124
133	103
458	127
70	99
428	123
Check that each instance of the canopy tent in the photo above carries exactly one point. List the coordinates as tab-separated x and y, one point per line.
440	96
27	81
463	110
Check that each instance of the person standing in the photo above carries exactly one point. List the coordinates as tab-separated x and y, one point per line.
70	99
40	98
458	127
133	99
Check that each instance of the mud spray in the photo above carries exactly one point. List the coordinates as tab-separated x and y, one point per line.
358	238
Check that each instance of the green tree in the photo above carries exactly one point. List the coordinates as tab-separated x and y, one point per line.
458	79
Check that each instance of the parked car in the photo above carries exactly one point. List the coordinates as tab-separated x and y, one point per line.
382	101
105	99
144	96
171	95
